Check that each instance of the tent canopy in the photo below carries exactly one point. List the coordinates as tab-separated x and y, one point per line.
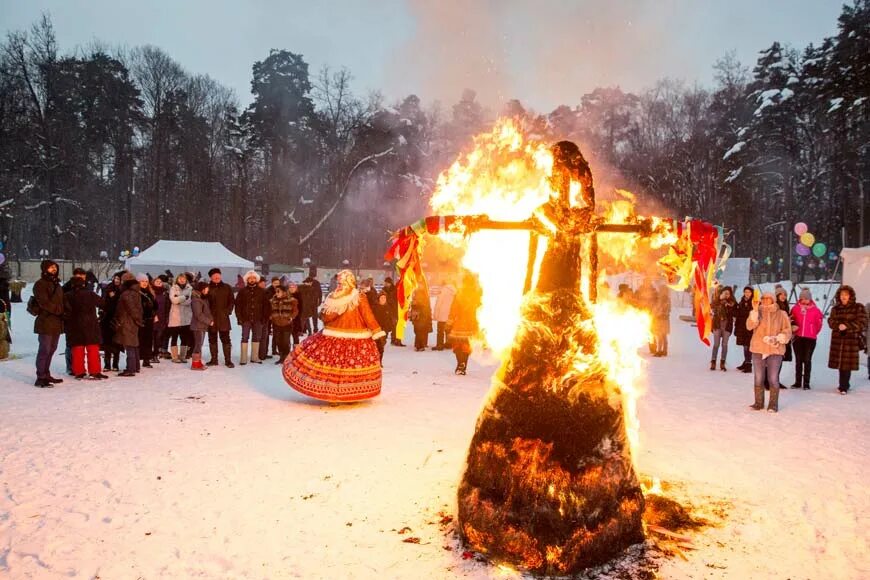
856	271
194	257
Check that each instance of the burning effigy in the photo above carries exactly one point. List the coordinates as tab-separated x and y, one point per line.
549	486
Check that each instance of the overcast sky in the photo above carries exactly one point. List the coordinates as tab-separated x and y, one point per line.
545	52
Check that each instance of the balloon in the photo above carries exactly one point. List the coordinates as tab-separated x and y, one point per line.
1	245
799	261
819	249
808	239
802	250
2	258
800	228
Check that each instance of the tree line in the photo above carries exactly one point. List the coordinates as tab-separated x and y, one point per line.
101	150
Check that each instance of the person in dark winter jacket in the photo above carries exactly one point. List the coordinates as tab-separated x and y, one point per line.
317	297
267	323
724	311
848	322
111	295
128	321
48	298
782	303
295	293
393	308
221	302
251	311
162	304
283	311
82	326
78	274
201	320
381	310
743	334
149	313
421	318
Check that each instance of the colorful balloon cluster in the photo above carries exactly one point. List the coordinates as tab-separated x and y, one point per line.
808	244
127	254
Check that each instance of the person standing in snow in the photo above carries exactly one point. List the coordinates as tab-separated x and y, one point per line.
420	315
111	295
441	313
83	329
221	304
128	321
848	322
48	302
393	309
296	294
161	302
341	363
463	320
382	315
180	314
251	310
267	324
807	323
782	303
200	321
771	332
283	310
661	322
149	311
78	274
724	311
743	334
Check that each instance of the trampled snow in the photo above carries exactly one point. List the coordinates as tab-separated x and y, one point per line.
230	474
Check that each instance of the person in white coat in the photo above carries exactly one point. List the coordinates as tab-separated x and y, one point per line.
441	313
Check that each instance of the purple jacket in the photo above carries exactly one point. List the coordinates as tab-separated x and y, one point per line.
808	320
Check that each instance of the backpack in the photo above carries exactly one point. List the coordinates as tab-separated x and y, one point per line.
33	307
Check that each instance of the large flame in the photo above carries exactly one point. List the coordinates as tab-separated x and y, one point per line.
506	176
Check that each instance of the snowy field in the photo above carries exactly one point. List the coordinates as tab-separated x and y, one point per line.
229	474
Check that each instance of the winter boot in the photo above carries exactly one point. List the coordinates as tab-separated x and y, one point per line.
174	351
243	358
196	363
759	399
255	353
183	353
722	365
228	356
712	365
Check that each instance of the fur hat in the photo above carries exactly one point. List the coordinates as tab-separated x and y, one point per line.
214	271
127	277
806	294
250	273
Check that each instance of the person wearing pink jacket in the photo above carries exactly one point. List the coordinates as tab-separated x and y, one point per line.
806	323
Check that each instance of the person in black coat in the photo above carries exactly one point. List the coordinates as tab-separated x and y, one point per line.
128	320
421	317
743	334
82	325
393	308
267	322
78	274
295	293
221	303
724	312
315	299
48	301
149	313
162	305
111	295
251	310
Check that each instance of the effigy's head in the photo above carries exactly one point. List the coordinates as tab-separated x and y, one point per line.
569	166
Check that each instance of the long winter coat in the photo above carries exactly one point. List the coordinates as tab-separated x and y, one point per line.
251	304
49	296
845	343
111	295
180	312
724	312
128	316
220	301
309	293
463	312
661	313
743	334
421	312
283	310
201	317
162	304
443	302
82	324
300	304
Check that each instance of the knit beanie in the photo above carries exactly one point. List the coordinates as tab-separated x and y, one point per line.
806	294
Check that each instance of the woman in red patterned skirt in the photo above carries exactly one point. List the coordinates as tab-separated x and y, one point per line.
341	362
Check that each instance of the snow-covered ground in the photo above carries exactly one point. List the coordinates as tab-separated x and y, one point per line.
230	474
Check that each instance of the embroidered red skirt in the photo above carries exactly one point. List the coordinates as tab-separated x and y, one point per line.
334	369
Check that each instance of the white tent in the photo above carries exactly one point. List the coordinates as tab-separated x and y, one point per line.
856	271
189	257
